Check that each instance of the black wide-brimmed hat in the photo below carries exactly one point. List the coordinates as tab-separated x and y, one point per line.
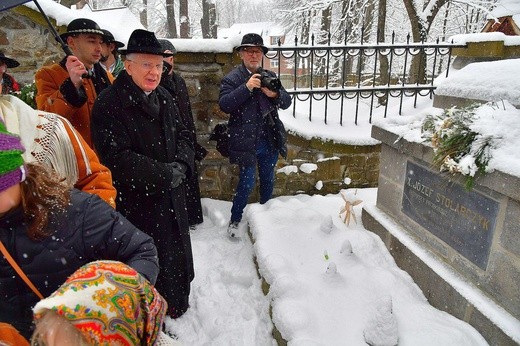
109	38
82	26
167	45
145	42
252	40
11	63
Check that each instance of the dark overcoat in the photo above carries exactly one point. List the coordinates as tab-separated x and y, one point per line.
89	230
137	146
176	85
248	115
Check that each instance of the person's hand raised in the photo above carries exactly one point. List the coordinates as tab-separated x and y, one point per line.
76	69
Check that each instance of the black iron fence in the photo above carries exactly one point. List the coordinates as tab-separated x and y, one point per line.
332	75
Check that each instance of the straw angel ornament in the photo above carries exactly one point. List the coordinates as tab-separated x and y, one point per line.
351	200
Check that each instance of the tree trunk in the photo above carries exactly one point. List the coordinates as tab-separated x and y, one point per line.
171	25
184	19
208	20
305	28
143	15
420	29
383	59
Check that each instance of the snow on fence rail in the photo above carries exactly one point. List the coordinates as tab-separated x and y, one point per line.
370	73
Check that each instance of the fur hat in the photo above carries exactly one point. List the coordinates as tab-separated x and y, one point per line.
108	38
11	63
142	41
12	170
110	303
82	26
252	40
167	45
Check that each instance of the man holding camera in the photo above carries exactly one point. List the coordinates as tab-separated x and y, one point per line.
252	97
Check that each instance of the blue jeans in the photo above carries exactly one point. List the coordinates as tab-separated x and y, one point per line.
266	160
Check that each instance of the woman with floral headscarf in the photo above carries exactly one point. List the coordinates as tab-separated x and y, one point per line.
102	303
50	230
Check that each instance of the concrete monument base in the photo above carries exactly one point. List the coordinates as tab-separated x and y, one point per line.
461	247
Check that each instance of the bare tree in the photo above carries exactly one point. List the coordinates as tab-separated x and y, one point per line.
184	19
208	21
171	24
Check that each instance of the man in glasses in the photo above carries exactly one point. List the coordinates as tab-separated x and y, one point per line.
139	134
256	134
70	87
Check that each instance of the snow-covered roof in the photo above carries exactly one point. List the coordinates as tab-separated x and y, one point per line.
120	21
506	8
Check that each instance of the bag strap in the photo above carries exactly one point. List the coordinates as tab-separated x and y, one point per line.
19	270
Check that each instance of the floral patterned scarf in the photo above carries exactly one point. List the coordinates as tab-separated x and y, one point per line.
110	303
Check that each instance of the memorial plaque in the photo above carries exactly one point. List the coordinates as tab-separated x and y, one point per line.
465	220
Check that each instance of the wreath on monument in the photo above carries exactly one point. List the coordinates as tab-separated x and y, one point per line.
458	148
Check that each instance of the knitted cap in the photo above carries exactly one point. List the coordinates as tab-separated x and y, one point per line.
12	170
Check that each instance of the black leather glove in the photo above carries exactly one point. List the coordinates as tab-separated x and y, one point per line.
178	173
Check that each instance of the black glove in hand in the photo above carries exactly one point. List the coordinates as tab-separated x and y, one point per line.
178	170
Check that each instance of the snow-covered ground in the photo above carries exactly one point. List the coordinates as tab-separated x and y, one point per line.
330	284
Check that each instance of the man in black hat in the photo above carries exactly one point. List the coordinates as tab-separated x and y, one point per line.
256	134
110	59
139	134
70	87
8	84
176	85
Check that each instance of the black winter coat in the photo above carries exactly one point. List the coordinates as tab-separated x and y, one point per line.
247	118
89	230
137	145
176	85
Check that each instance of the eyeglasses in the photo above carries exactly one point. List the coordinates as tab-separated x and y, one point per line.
252	52
148	66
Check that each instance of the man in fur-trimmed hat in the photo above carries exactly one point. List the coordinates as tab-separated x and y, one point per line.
252	97
70	87
139	134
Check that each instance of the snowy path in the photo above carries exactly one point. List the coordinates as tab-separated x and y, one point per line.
227	303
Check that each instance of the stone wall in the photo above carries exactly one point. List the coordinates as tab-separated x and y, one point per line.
498	281
25	37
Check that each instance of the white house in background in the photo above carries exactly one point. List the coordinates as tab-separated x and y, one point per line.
269	31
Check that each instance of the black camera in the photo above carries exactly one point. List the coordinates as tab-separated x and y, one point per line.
271	83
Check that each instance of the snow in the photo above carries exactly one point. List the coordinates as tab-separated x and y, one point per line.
487	81
506	8
117	21
330	284
485	37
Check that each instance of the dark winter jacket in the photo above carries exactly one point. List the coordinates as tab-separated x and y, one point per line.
138	144
176	85
252	114
89	230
